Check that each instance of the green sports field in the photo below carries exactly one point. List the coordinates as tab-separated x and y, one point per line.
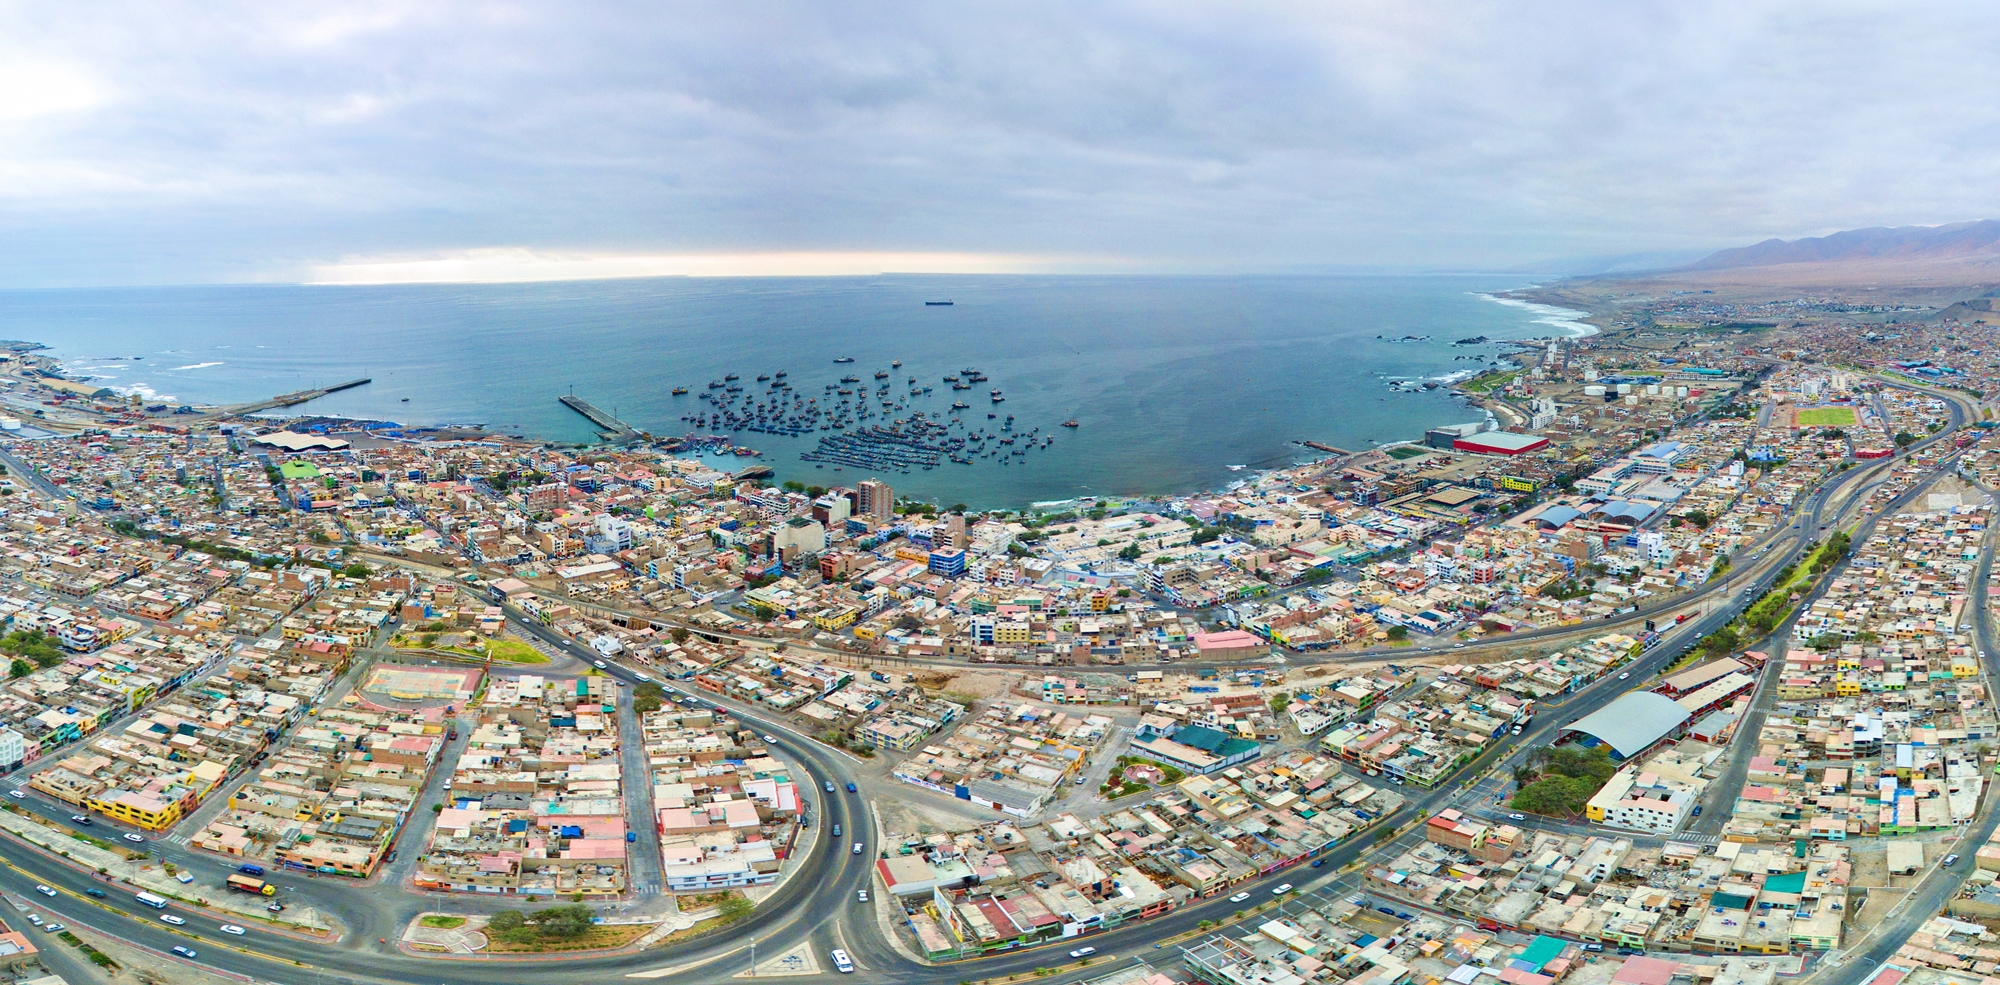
1826	417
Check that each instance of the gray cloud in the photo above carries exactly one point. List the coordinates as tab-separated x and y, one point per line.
155	143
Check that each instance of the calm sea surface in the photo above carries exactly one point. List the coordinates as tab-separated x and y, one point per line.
1172	379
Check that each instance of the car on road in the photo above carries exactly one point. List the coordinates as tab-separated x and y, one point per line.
600	665
1318	862
836	831
1239	897
861	895
829	786
35	918
770	738
186	952
1517	817
1282	890
1593	947
1458	646
53	928
94	893
850	788
643	679
230	928
44	890
1516	730
134	839
1624	675
276	908
1951	860
172	919
563	642
669	688
79	819
1083	952
184	876
16	794
1696	812
857	848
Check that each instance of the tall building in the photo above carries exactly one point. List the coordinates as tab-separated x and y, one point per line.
877	500
954	531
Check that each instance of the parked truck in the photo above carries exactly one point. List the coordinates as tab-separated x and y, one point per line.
251	884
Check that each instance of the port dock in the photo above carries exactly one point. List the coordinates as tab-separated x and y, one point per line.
295	398
1329	449
609	428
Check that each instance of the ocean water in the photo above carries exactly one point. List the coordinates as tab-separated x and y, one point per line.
1173	380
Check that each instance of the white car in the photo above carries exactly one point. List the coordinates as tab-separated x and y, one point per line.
44	890
184	877
16	794
771	738
600	665
1083	952
563	642
1239	897
1282	890
172	919
1517	817
669	688
230	928
134	839
1624	675
186	952
861	895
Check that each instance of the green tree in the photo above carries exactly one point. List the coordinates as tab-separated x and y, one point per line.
734	908
506	920
1131	552
648	698
356	570
1399	632
20	668
1279	702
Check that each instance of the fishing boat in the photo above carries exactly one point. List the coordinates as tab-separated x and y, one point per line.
680	391
844	359
937	304
895	363
1071	423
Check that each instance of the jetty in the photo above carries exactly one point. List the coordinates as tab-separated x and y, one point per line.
609	428
294	398
1329	449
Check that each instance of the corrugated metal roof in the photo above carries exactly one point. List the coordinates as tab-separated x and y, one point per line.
1633	722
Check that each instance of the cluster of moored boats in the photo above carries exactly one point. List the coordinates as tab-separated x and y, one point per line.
874	424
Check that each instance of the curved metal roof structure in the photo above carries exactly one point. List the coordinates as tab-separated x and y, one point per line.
1557	515
1633	722
1621	510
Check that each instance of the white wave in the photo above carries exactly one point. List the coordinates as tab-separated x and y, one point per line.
1459	376
1565	319
197	365
143	392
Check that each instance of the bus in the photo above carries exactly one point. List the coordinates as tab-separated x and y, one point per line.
156	902
840	961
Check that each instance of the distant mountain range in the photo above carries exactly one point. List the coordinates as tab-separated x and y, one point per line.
1957	243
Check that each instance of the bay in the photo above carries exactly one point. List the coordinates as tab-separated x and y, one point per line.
1172	380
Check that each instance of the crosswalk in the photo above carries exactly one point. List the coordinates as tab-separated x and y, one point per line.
1694	839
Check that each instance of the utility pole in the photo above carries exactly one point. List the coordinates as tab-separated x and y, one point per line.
753	957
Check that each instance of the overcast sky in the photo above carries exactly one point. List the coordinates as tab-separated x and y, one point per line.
171	143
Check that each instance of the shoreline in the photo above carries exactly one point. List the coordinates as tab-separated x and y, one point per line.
1292	434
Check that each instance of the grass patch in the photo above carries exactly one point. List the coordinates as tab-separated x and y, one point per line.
597	938
1816	417
1401	452
443	922
515	652
1489	382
